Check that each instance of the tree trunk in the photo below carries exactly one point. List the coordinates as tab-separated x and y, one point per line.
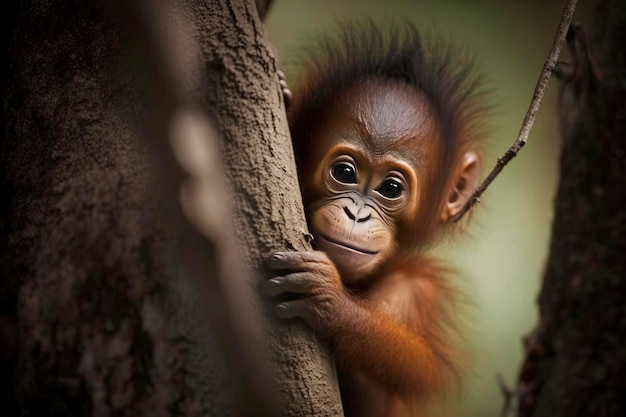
576	361
99	312
242	91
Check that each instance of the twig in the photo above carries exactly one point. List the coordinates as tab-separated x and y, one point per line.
508	394
529	120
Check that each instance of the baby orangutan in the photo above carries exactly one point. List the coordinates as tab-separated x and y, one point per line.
385	135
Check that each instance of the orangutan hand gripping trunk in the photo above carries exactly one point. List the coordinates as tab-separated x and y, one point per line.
385	132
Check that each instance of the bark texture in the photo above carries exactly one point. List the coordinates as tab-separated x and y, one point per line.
243	93
576	360
102	309
99	314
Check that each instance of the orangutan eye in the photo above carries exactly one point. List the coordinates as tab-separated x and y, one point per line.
344	172
391	188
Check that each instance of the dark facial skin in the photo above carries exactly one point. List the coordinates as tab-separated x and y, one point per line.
374	151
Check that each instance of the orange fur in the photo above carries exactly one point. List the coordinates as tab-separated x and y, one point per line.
402	352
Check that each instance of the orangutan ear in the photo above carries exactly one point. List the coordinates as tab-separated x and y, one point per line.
465	182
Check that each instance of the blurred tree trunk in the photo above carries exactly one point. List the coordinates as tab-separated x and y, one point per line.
99	312
576	357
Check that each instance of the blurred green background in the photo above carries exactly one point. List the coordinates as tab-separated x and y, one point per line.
502	260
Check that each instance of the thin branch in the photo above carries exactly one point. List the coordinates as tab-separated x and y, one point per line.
529	120
508	395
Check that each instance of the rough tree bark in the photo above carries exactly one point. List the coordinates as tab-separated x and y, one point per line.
576	357
98	312
242	91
